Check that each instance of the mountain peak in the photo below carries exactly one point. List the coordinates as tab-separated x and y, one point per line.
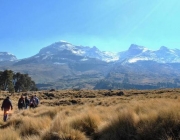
5	56
136	50
136	47
94	48
164	48
63	41
56	47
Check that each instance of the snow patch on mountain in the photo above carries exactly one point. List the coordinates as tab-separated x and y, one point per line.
84	59
136	59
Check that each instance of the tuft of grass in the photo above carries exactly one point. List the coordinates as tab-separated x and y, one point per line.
61	129
32	137
34	126
71	134
57	123
65	134
87	123
122	126
9	134
50	136
15	123
49	112
162	125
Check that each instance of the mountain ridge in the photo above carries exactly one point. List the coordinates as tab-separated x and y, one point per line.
133	54
62	65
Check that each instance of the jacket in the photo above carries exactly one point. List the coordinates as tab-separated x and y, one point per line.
21	103
6	104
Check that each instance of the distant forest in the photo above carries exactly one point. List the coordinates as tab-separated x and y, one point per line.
105	84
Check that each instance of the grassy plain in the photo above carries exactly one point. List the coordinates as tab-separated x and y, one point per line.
95	115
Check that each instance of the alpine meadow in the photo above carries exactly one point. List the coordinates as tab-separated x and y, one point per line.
95	115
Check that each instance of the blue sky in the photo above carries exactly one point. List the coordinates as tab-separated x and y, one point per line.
26	26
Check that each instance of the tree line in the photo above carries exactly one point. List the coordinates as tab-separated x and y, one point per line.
16	82
107	84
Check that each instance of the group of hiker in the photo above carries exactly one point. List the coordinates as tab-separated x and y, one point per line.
24	102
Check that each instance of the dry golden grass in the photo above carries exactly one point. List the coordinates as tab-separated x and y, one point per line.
87	123
34	126
96	115
9	134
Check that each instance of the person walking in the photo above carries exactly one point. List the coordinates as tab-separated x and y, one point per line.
6	106
36	100
32	102
21	103
26	102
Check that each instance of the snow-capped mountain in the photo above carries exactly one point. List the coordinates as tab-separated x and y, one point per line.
63	52
139	53
5	56
59	49
66	66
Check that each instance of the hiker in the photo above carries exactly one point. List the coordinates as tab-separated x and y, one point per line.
27	101
21	103
36	100
6	106
32	102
